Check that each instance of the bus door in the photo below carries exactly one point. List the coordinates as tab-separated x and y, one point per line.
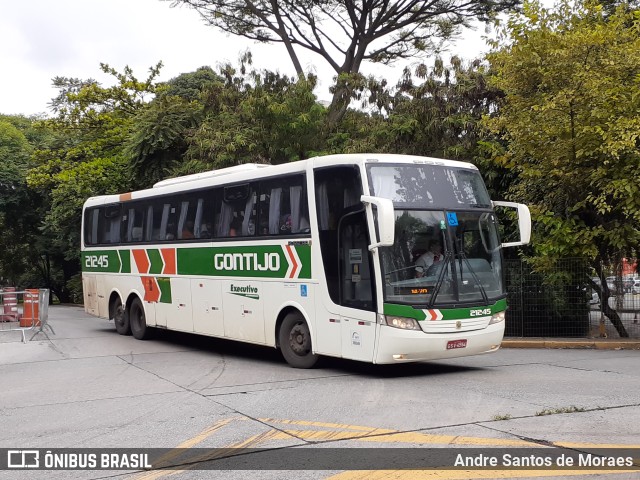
356	289
346	319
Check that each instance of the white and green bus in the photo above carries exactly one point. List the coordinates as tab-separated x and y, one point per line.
315	257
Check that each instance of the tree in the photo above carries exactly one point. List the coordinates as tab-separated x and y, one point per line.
162	128
159	137
84	156
570	124
347	33
17	221
257	116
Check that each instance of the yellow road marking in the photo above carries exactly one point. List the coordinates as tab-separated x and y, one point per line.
219	453
409	437
206	433
592	445
371	434
324	424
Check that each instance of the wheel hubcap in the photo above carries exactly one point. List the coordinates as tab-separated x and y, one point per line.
298	340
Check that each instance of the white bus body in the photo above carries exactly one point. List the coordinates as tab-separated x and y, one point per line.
315	257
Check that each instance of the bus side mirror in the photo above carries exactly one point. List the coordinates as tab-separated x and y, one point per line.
524	222
386	220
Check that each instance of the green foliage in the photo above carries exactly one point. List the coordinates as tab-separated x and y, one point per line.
346	33
17	204
570	123
190	86
14	153
435	111
257	117
100	176
569	119
81	154
159	137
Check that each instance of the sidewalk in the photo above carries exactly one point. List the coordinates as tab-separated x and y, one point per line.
596	343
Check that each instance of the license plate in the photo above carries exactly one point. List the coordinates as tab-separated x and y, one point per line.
456	344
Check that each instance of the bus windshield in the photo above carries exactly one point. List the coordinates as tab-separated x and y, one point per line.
428	186
443	257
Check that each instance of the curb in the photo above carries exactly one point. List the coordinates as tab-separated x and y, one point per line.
597	344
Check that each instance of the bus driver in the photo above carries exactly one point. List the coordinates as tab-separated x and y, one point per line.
431	256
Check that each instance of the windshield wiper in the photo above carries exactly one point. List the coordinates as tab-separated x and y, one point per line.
436	288
480	205
463	256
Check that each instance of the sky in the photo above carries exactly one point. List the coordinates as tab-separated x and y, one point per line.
42	39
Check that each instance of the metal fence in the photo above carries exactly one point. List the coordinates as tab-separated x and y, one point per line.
25	312
561	301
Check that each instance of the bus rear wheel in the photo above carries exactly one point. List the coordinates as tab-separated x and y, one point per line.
295	342
138	320
120	320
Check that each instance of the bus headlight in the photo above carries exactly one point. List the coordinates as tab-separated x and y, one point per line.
497	318
402	322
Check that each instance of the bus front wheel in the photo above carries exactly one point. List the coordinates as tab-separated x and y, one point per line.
295	342
138	320
120	319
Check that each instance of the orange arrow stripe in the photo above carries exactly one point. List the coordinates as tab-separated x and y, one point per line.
169	257
151	289
293	260
142	261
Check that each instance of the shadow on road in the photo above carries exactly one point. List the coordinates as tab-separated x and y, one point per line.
268	355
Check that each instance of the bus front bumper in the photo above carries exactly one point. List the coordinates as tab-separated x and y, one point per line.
397	346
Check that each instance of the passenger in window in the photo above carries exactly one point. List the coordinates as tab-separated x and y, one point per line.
187	231
285	223
207	230
234	229
136	234
170	235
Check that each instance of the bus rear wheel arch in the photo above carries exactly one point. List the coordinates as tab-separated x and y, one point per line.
294	339
138	320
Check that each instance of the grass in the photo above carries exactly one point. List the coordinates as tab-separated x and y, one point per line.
502	417
555	411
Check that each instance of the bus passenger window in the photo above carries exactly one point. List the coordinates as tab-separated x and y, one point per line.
283	207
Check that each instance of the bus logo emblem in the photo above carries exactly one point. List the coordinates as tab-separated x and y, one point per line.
247	291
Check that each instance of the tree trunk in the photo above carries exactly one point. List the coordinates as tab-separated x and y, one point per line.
614	318
604	293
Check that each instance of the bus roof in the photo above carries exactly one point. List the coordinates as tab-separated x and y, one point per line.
251	171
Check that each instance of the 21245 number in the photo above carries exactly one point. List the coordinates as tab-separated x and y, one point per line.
96	261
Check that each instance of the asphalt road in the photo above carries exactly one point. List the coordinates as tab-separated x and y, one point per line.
88	387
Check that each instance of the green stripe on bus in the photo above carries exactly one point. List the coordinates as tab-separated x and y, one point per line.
408	311
101	261
156	261
125	261
304	253
164	284
260	261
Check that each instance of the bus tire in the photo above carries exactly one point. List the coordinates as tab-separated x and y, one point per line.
120	319
295	342
138	320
